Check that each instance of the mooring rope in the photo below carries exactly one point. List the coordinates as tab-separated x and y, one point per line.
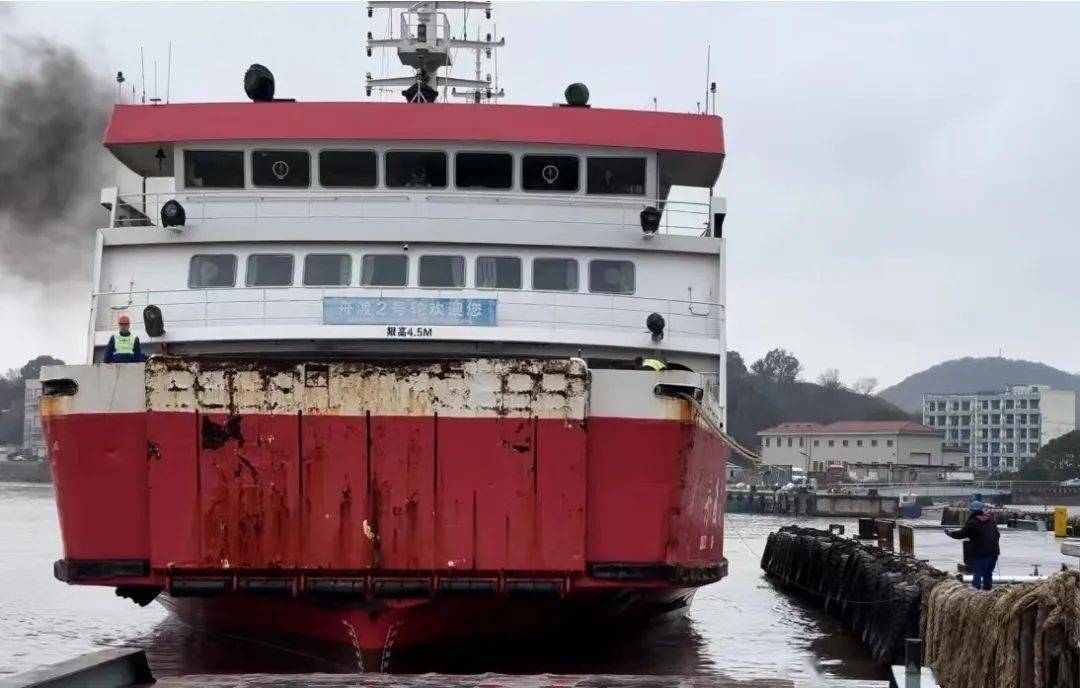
717	427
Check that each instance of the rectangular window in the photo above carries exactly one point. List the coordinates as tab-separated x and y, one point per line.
442	271
416	170
349	169
845	443
995	404
766	441
611	277
1008	404
384	270
483	170
213	169
817	443
1033	447
1033	418
984	419
800	441
621	176
873	443
1034	403
1008	418
966	405
210	271
1023	403
995	418
327	270
1023	433
555	274
269	270
291	169
832	443
498	272
858	443
888	443
995	447
789	441
549	172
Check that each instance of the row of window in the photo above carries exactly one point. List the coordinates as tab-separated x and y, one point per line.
984	419
209	271
778	442
1007	447
357	169
984	405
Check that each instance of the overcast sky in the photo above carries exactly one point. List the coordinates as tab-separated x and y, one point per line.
902	179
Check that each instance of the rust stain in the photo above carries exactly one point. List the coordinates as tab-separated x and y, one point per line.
153	453
215	435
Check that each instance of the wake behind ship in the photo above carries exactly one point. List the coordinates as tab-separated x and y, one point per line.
415	371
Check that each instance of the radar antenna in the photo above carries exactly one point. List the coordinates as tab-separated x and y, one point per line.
424	43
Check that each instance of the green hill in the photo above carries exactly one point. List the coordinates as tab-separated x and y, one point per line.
974	375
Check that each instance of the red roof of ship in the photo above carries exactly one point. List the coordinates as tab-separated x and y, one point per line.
668	131
906	427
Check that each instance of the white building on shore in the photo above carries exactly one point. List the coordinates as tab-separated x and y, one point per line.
33	440
1000	430
858	446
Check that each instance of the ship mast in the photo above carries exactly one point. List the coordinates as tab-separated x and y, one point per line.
424	43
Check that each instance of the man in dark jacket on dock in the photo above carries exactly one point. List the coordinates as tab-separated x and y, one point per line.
983	533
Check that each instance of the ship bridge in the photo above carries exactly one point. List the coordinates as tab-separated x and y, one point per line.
464	229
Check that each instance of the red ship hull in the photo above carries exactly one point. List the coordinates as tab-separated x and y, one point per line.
350	502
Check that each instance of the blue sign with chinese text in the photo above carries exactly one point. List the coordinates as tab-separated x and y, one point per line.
363	310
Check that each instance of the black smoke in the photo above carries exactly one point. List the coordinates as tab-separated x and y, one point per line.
53	111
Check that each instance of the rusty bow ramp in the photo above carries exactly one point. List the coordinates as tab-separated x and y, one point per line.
475	465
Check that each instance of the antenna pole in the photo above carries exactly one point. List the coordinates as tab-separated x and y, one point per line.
168	74
142	73
155	82
708	63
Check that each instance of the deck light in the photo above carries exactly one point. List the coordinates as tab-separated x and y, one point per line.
153	322
655	323
650	220
259	83
172	214
577	95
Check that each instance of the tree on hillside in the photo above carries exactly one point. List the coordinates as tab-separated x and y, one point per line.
1059	459
777	366
865	385
32	369
736	367
12	394
830	378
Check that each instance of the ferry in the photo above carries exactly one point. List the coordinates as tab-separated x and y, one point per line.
414	372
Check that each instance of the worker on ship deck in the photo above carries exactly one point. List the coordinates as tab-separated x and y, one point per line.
651	364
983	533
123	347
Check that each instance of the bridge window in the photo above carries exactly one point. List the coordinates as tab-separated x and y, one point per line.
549	172
555	274
611	277
213	169
281	168
350	169
211	271
498	272
442	271
620	176
269	270
384	270
327	270
416	170
484	170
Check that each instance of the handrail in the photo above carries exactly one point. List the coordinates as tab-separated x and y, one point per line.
143	209
259	298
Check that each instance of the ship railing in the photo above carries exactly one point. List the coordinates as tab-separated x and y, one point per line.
688	218
246	306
